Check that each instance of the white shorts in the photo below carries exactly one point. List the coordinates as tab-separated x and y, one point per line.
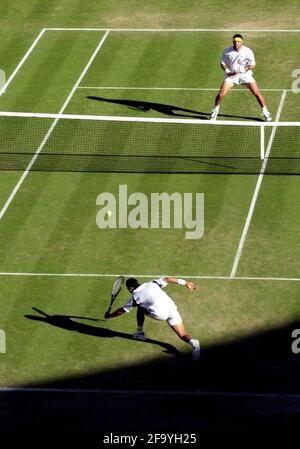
240	78
166	311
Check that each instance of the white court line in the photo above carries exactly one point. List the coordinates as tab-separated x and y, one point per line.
124	118
4	88
150	276
257	189
149	392
19	183
167	30
176	88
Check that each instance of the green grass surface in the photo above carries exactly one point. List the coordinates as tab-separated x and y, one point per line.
61	350
50	226
66	238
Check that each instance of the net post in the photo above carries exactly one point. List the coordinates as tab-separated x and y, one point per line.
262	141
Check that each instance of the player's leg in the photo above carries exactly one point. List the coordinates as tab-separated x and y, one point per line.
224	89
179	329
140	318
175	322
261	101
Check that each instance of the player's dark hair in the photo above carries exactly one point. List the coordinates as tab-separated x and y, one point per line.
238	35
132	284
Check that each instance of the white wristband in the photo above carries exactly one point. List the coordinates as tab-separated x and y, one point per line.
227	71
181	282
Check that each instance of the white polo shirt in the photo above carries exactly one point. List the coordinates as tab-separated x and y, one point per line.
155	301
236	60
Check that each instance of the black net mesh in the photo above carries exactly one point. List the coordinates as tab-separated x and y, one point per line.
150	147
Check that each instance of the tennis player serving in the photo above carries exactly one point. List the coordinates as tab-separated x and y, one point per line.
151	300
238	63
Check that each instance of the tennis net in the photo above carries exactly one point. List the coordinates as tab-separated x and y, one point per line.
64	142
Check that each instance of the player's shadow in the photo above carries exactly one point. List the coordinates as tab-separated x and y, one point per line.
146	106
167	109
67	322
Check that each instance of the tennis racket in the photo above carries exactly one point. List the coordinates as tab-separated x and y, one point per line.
244	65
116	288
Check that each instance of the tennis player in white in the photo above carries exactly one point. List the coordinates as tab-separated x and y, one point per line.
151	300
238	63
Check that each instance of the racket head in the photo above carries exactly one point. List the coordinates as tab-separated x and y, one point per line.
117	285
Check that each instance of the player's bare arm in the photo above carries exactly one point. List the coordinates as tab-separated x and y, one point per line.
227	70
250	67
114	314
190	285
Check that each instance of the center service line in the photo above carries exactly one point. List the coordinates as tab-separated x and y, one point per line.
257	189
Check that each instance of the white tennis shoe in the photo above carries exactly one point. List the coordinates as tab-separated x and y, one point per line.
267	116
139	335
214	113
196	350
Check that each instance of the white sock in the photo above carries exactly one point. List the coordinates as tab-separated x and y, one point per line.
217	108
194	343
265	109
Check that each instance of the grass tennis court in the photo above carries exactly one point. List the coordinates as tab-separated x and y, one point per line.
57	266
